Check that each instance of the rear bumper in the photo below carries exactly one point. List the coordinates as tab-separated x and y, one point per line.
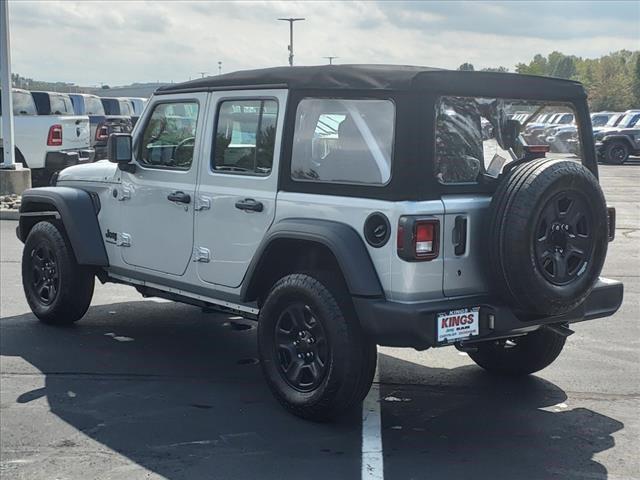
414	325
55	161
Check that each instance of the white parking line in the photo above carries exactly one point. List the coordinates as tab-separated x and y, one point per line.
372	462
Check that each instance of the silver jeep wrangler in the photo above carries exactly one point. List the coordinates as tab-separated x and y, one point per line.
342	207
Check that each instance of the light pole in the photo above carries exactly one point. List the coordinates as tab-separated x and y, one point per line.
8	160
291	20
331	58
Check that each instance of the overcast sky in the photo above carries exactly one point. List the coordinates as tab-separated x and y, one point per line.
122	42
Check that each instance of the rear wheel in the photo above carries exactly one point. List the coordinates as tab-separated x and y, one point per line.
616	153
316	359
519	355
57	289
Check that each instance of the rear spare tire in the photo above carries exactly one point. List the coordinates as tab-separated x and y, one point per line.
548	236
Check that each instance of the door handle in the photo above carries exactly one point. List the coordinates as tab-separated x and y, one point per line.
179	197
249	204
460	236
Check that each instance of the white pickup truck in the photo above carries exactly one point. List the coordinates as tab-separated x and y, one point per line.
49	138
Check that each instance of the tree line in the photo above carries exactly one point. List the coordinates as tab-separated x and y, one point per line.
612	81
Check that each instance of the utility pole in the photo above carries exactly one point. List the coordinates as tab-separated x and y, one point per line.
219	68
331	59
202	74
291	20
8	160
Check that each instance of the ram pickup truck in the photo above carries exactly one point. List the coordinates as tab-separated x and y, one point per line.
47	143
138	104
102	125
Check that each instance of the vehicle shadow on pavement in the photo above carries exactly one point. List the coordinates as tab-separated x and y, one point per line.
465	423
174	390
179	393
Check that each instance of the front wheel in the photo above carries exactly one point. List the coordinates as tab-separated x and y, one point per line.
519	355
316	359
616	153
58	290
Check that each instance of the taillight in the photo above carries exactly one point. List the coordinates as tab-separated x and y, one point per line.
54	139
102	132
418	238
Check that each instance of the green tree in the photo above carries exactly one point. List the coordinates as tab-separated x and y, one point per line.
466	67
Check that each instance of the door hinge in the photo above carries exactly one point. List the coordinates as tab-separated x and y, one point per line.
125	195
202	203
201	254
124	240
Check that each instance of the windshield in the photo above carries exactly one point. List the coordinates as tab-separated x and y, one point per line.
477	136
613	121
629	120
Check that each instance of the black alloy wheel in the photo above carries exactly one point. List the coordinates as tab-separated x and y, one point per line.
564	240
616	153
44	278
301	347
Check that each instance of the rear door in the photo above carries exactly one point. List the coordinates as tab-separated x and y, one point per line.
236	198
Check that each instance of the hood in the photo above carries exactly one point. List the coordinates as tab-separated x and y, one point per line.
101	171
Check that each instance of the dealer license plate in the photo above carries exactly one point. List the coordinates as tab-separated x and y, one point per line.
457	325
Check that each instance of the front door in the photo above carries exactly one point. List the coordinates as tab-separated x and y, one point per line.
158	197
236	197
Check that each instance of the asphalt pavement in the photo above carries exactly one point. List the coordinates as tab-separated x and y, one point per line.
145	389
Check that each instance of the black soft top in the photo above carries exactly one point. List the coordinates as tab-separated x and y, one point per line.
387	77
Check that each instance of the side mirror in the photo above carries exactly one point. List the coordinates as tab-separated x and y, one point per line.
119	148
119	151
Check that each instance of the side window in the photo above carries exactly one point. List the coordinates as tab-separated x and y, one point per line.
245	136
343	141
169	137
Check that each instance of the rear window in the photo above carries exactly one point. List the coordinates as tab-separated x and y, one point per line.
61	105
111	106
93	106
23	104
477	136
125	108
343	141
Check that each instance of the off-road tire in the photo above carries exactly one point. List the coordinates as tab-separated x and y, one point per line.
528	354
72	285
520	273
616	153
351	360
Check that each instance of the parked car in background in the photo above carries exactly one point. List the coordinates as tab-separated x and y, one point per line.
117	106
563	138
534	134
52	140
138	104
615	145
102	125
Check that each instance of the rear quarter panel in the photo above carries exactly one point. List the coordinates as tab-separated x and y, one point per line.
401	280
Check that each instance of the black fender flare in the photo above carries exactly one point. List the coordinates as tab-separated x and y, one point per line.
77	211
341	239
618	137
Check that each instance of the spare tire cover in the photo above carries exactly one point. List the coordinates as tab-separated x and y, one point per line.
548	237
